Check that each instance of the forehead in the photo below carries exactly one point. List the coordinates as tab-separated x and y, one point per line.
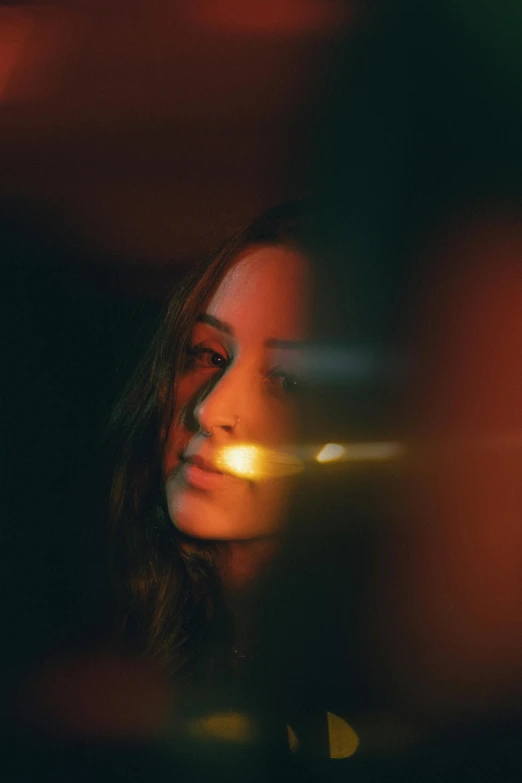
266	291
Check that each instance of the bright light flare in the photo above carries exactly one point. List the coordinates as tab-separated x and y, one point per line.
244	461
360	452
255	463
330	452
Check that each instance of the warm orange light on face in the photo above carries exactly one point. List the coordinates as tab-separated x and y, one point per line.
230	391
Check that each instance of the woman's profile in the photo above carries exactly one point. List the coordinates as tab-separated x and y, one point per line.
190	541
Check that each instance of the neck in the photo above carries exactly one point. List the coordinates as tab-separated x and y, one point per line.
242	565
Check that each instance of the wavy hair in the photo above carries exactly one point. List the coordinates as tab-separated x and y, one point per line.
167	587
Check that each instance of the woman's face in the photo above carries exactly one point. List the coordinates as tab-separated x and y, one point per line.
233	390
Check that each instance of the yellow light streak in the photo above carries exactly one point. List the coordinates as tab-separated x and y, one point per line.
254	462
330	452
373	452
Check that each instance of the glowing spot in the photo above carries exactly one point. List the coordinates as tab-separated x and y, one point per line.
330	453
253	462
360	452
243	461
343	740
224	727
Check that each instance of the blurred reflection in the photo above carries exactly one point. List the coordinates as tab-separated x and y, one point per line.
275	16
459	583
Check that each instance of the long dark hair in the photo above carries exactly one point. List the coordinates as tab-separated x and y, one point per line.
167	586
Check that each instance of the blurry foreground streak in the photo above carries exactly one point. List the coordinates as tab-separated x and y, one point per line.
255	462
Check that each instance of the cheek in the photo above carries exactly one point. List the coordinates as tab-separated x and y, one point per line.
171	450
176	439
177	435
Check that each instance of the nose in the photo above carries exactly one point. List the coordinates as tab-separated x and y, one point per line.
217	407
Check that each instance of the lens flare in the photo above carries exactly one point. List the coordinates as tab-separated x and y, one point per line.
360	452
255	463
243	461
330	452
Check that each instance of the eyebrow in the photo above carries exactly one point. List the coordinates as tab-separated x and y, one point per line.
273	342
204	318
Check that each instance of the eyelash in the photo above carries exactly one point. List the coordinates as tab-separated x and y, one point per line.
286	384
195	355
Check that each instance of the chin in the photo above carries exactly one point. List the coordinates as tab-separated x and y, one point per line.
194	518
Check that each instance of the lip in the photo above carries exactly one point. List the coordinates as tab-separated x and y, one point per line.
200	478
200	461
199	472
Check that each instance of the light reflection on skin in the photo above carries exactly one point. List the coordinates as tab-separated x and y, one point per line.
232	389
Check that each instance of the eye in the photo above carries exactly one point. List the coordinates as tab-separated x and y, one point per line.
282	382
205	357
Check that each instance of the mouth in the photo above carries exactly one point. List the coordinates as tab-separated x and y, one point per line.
200	473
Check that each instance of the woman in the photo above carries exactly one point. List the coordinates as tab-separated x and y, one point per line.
190	542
